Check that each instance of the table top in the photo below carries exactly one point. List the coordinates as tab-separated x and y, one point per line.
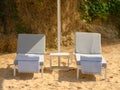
59	54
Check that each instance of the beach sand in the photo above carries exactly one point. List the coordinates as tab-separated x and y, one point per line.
63	79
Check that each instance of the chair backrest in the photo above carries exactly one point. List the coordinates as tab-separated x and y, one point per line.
88	43
31	43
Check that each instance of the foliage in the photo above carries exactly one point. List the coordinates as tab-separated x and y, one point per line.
20	28
6	7
114	7
41	2
92	9
1	8
13	8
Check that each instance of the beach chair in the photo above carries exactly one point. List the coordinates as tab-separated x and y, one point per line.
88	53
30	53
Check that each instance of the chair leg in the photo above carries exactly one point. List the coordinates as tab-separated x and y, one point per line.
77	73
105	73
14	73
42	71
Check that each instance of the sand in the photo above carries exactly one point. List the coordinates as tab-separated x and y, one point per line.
63	79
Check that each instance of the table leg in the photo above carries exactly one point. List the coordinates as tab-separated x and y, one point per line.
68	60
50	62
58	61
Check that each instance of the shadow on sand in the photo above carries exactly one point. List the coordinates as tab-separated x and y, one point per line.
7	74
70	76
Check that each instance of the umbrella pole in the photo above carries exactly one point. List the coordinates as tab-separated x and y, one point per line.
59	22
59	26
